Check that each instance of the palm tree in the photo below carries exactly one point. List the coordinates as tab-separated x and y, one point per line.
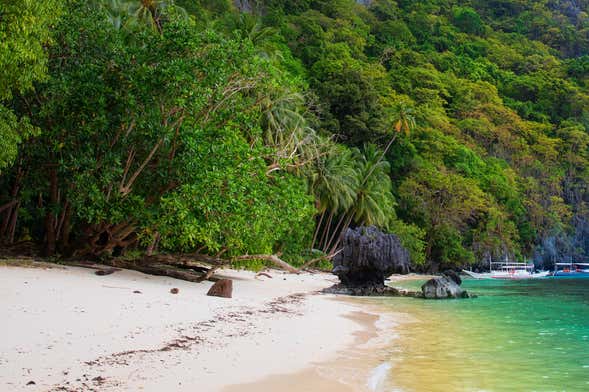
405	118
260	36
333	182
282	116
287	130
146	12
405	121
117	10
374	202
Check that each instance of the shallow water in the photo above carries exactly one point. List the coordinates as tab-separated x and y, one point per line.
516	336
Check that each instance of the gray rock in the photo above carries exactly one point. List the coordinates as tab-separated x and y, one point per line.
454	276
443	287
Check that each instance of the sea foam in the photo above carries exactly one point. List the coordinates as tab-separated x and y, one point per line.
378	376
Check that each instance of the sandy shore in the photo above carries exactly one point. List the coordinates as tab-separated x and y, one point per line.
66	329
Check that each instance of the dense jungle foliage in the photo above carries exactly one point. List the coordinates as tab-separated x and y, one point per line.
243	127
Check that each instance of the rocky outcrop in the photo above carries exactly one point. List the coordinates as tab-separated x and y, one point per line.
443	287
446	286
368	256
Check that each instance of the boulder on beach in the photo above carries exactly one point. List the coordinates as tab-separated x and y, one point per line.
222	288
443	287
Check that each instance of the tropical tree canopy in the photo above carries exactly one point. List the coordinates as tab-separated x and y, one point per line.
233	128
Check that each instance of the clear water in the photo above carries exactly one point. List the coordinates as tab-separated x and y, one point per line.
516	336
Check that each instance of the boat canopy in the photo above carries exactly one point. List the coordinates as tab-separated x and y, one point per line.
512	265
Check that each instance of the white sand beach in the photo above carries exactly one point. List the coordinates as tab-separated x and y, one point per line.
67	329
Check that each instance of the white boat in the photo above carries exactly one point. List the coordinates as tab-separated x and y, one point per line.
572	269
509	270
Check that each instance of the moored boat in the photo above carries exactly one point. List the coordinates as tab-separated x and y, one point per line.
509	270
573	270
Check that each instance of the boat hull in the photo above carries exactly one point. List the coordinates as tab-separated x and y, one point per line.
507	275
571	274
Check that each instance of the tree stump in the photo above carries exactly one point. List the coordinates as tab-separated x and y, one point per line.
222	288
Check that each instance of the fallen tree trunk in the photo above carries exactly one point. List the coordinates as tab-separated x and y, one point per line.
198	260
273	258
318	259
160	269
153	268
190	267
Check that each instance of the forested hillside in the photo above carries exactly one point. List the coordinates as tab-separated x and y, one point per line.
241	127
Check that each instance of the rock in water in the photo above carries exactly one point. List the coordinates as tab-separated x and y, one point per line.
443	287
222	288
368	257
454	276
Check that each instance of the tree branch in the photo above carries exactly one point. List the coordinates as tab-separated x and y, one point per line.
126	189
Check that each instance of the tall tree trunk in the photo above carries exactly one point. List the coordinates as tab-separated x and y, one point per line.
66	228
50	235
13	221
7	217
11	208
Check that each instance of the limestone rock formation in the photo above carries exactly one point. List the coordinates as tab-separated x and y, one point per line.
368	256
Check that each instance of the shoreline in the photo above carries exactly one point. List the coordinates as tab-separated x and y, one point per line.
355	368
67	329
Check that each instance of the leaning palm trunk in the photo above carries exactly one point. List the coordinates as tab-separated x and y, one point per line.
318	228
339	238
326	231
336	232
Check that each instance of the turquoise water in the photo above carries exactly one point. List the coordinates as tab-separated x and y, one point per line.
516	336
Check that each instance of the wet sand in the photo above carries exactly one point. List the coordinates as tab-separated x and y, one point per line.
351	370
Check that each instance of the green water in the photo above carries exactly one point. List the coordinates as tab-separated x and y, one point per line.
516	336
